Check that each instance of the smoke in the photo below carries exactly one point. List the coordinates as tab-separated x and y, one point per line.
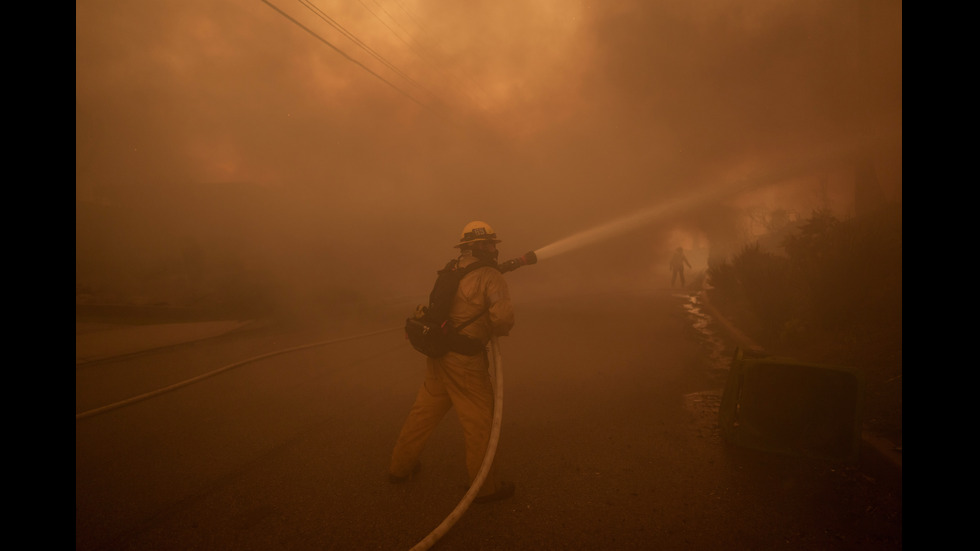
339	150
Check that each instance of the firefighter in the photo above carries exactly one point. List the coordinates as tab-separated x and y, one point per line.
459	380
677	263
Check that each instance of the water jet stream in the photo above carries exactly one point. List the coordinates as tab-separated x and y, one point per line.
715	194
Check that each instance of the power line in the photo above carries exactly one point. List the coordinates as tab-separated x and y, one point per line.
333	23
422	51
341	52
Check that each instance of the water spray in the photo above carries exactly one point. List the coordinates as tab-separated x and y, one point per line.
608	230
600	233
791	168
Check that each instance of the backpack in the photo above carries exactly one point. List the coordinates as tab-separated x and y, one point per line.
430	330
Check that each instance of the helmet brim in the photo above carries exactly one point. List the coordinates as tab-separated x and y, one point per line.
461	243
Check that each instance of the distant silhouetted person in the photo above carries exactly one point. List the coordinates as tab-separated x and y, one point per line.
677	263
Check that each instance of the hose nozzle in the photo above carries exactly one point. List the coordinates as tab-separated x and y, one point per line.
525	259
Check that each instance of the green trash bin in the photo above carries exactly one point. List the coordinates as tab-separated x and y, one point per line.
781	405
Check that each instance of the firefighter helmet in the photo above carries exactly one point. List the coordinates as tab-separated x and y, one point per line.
477	231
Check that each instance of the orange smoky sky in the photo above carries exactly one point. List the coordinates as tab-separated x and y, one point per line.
323	141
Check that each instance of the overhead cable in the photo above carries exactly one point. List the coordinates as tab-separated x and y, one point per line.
424	53
333	23
341	52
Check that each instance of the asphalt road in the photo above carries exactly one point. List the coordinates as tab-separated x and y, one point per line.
609	432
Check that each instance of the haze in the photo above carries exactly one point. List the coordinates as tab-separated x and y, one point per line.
323	148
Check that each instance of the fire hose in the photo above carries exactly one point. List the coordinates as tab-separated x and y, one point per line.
481	475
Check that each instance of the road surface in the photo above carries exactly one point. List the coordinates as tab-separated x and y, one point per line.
609	432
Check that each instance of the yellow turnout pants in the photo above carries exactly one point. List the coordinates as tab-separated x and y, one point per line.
456	381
